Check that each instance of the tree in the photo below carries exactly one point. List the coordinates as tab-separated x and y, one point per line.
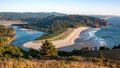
33	53
48	50
104	48
116	47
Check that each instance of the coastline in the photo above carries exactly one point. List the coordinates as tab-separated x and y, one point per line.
69	41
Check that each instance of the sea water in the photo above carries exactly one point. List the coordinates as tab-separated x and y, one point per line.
104	36
110	34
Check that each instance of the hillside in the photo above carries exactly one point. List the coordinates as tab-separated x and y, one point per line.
6	35
55	25
27	16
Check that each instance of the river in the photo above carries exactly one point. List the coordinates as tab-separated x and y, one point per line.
25	35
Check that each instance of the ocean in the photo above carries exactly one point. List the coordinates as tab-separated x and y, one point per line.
104	36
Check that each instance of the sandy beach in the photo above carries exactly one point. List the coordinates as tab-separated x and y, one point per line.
69	42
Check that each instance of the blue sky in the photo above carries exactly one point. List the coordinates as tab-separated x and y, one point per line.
104	7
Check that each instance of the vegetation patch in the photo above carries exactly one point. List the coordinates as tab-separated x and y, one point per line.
7	34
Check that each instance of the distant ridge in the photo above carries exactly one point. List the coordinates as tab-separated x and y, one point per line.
19	16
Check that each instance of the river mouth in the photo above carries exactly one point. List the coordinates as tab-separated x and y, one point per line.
25	35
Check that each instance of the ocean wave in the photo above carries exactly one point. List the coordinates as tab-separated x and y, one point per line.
92	38
90	33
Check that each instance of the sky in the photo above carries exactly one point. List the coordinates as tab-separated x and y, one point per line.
97	7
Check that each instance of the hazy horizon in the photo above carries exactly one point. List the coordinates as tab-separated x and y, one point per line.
86	7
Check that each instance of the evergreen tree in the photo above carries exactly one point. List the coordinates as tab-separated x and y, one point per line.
104	48
48	50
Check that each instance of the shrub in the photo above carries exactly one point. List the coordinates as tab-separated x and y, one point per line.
101	56
73	58
7	56
84	50
13	51
34	53
10	52
107	60
97	60
30	57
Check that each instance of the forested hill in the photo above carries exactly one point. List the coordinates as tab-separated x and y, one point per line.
27	16
7	34
54	25
70	21
74	21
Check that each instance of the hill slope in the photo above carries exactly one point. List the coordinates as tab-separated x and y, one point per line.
6	35
27	16
54	25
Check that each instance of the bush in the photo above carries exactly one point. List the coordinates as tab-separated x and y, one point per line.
34	53
101	56
7	56
84	50
73	58
107	60
13	51
97	60
10	52
30	57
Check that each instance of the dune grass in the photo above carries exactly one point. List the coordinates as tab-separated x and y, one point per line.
61	36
